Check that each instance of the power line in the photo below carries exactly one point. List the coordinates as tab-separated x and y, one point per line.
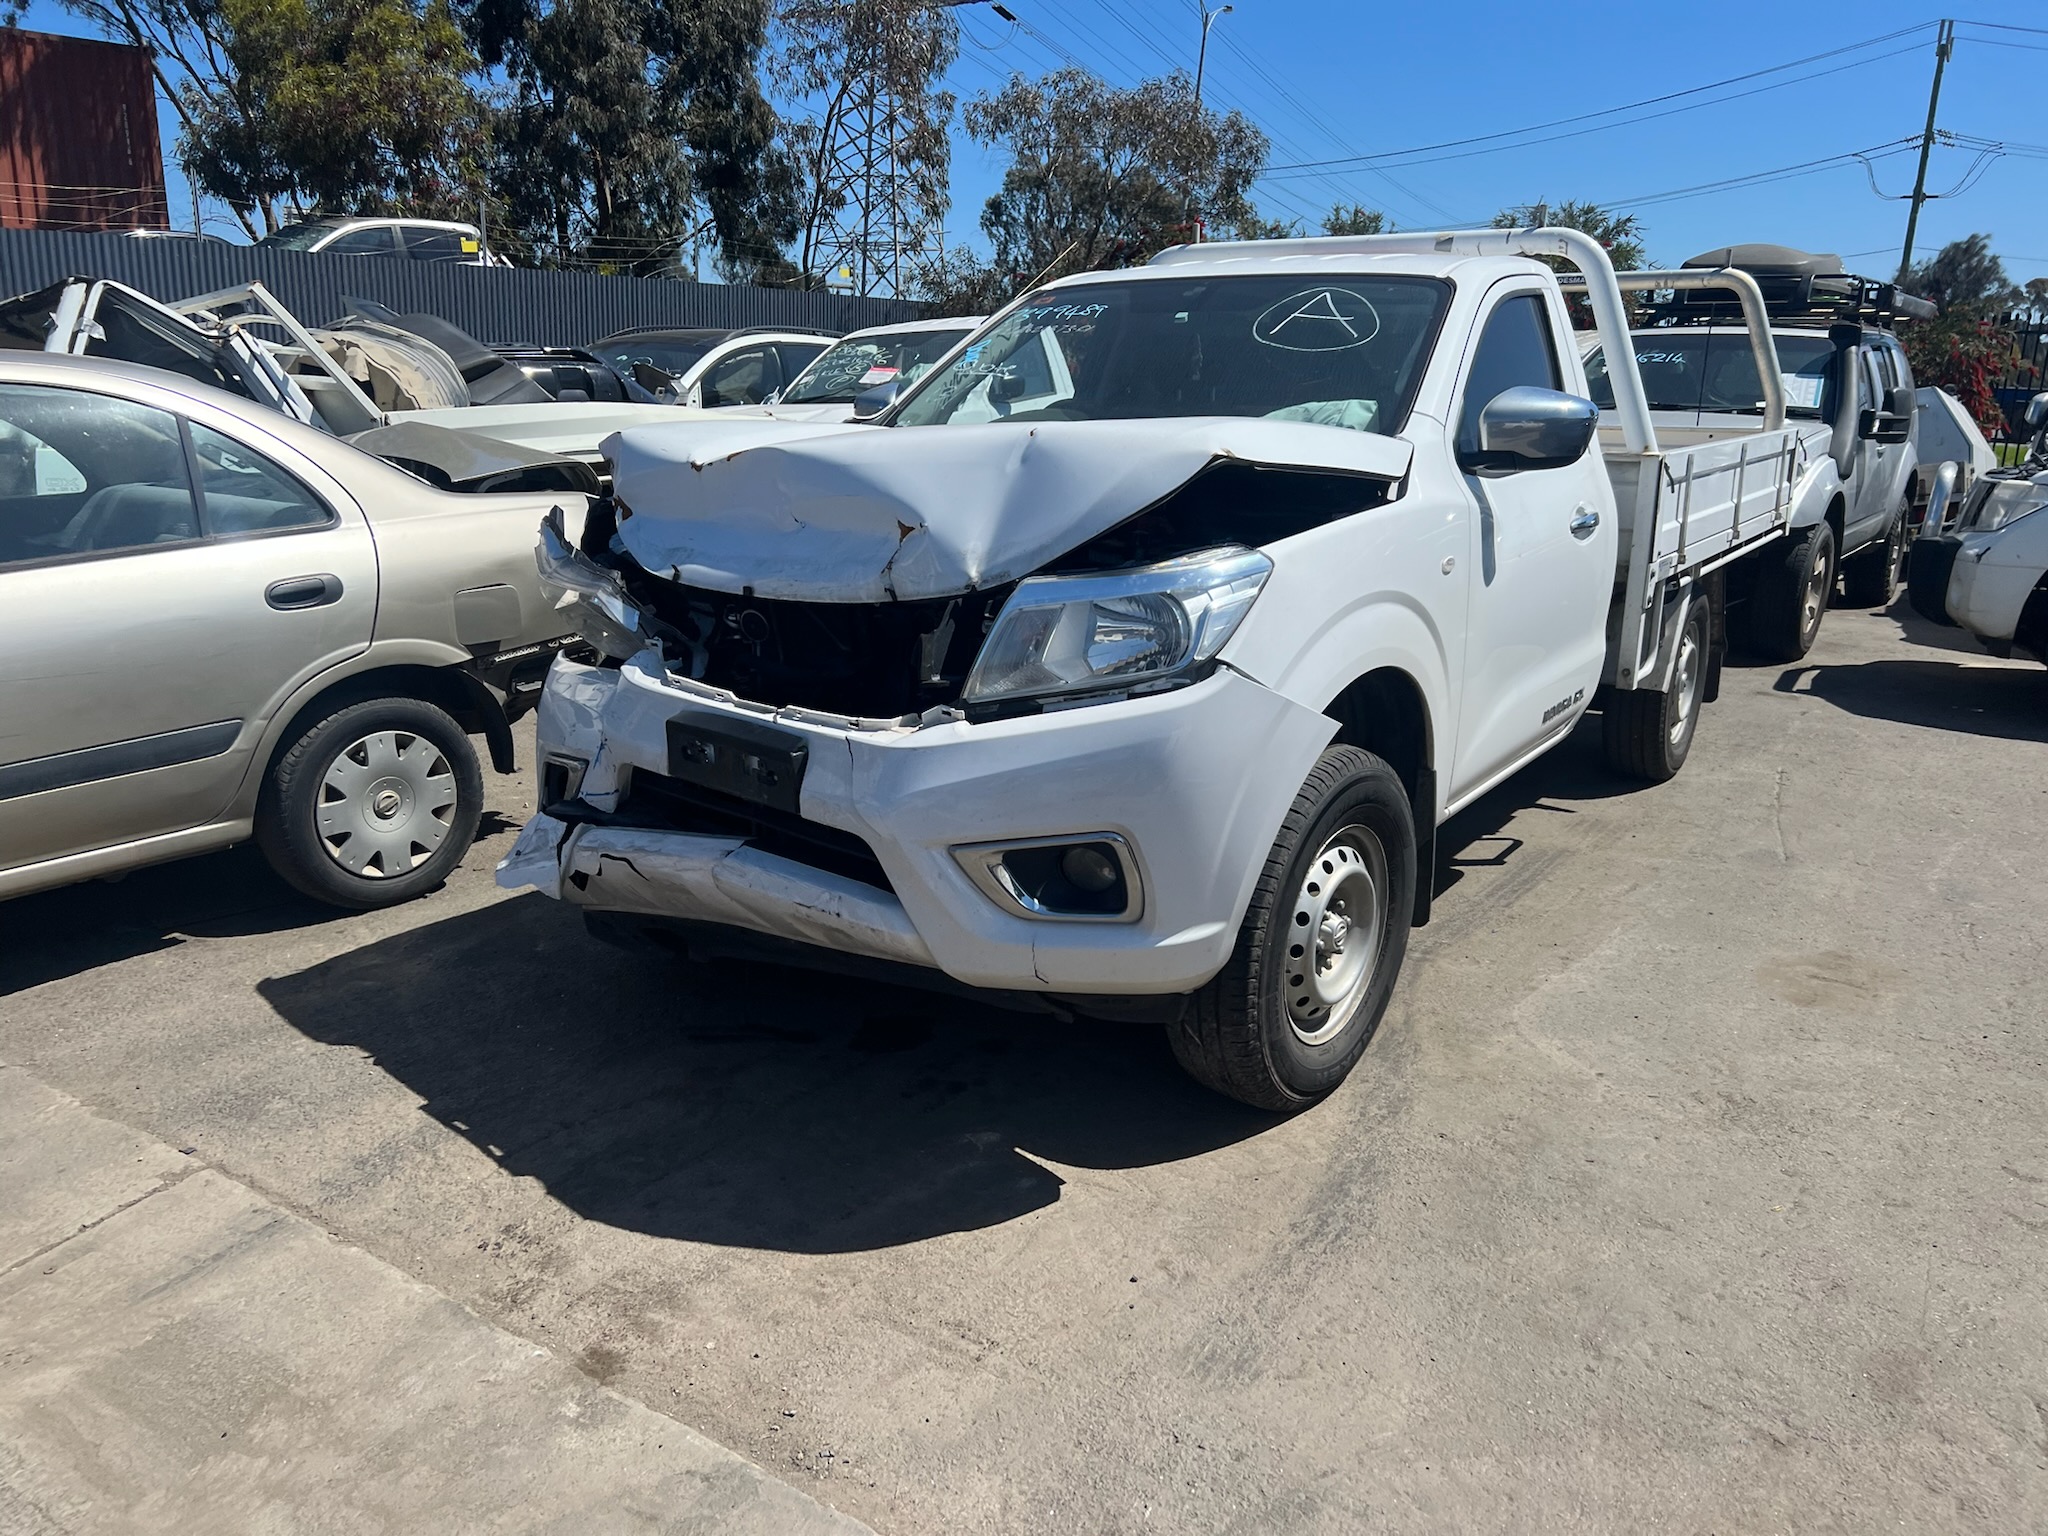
1649	101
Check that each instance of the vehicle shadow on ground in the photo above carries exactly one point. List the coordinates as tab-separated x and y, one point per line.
231	894
747	1105
1573	772
1975	698
78	928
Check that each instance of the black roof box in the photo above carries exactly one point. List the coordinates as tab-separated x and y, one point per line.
1771	260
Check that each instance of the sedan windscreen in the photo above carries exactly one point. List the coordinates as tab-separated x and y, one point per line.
862	362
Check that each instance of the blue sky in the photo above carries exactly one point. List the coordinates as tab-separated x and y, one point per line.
1329	81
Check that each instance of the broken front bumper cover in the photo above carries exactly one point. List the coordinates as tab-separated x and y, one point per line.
1193	782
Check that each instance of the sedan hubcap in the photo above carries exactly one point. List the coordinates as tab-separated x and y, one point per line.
386	804
1333	940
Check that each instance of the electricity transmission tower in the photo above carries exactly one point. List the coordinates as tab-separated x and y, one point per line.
879	232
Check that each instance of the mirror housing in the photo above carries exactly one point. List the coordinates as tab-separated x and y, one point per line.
870	403
1884	427
1901	401
1005	385
2036	416
1530	428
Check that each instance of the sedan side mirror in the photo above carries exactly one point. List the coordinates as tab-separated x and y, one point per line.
870	403
1530	428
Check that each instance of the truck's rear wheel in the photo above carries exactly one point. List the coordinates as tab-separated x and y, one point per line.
1647	734
1794	580
1320	947
1871	575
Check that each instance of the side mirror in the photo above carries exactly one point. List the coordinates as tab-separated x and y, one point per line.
1884	427
870	403
1901	401
2037	412
1005	385
1530	428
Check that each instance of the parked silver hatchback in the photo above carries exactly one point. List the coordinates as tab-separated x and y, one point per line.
219	623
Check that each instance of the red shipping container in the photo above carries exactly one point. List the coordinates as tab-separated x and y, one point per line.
78	139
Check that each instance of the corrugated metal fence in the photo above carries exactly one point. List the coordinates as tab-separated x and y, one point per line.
494	304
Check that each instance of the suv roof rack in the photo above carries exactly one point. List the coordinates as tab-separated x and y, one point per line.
1800	288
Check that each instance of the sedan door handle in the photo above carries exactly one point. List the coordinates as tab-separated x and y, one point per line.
1586	520
303	592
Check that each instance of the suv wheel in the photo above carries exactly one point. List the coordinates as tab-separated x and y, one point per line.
372	805
1794	580
1321	944
1871	575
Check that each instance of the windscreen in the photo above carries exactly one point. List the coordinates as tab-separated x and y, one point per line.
1345	352
298	237
674	358
862	362
1716	371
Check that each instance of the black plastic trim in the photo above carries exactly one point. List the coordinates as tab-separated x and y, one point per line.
86	765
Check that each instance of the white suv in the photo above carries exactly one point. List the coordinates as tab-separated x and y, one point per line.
442	240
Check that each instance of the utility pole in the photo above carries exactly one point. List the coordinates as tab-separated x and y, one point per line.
1944	45
1202	55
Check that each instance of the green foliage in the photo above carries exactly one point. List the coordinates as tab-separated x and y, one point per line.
1969	349
625	118
396	76
1356	219
1106	177
1621	234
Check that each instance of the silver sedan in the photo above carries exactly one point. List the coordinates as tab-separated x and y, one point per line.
218	623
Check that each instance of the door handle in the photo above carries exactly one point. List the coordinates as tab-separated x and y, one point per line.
303	592
1585	521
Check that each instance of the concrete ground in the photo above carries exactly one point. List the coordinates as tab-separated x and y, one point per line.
1696	1180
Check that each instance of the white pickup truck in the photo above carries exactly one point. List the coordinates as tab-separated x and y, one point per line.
1147	700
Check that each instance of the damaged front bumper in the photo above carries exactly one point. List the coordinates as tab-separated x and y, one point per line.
879	848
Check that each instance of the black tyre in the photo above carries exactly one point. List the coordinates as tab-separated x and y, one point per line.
1871	575
1321	945
1647	735
1794	580
371	805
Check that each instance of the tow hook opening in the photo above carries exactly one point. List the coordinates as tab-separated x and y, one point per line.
1092	877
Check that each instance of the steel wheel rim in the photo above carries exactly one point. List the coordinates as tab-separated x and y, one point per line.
1688	667
386	804
1333	938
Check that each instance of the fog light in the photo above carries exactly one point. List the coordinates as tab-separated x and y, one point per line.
1091	878
1090	867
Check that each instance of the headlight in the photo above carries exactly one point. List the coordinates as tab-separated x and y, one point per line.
591	598
1075	634
2001	503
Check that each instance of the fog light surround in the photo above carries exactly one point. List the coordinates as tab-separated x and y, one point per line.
1082	877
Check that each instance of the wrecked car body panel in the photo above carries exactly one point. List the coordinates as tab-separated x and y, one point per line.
848	514
456	460
1194	781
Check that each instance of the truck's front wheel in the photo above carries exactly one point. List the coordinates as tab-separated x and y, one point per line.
1320	947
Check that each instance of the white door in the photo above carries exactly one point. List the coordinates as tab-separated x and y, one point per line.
161	586
1541	568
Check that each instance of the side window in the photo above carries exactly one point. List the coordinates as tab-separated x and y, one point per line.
797	356
440	245
745	378
86	474
1515	348
247	493
373	241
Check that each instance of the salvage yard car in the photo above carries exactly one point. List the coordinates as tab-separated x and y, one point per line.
220	622
883	357
1987	574
1849	390
1145	701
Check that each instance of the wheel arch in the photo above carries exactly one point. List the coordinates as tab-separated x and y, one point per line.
1386	712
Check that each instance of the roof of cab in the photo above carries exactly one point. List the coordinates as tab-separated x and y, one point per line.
1306	258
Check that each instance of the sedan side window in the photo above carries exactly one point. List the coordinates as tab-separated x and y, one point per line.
745	378
1515	348
247	493
86	474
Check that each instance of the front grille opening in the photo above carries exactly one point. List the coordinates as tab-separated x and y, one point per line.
656	800
875	661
